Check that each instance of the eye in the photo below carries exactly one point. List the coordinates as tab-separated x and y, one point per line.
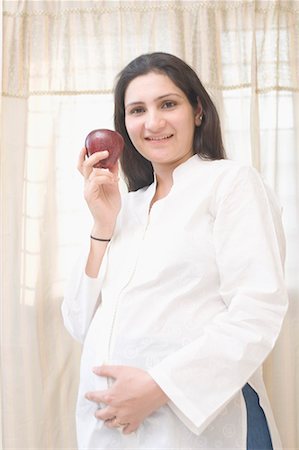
168	104
136	110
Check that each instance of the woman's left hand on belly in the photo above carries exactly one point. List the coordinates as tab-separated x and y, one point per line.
132	397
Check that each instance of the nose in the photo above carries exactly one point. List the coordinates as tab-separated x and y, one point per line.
154	121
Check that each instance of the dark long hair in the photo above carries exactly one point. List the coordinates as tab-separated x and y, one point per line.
207	141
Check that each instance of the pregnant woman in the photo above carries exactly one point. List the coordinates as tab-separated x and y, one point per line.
180	295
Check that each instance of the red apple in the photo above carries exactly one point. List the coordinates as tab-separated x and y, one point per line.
100	140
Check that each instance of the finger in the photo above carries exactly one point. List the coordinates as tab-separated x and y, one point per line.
103	172
108	422
112	423
130	428
108	371
107	413
99	397
97	156
87	165
94	181
115	422
81	160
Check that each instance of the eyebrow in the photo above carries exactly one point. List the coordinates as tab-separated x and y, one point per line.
156	99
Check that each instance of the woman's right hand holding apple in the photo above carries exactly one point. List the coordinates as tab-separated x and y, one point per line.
101	192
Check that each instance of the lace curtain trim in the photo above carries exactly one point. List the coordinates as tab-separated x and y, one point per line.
110	91
259	7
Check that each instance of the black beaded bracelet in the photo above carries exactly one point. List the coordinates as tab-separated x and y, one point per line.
99	239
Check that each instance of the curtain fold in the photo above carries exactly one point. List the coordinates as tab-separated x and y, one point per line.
59	62
54	45
1	231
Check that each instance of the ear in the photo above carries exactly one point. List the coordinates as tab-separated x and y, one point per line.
198	113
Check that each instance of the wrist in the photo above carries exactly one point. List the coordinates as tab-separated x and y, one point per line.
157	393
94	238
103	233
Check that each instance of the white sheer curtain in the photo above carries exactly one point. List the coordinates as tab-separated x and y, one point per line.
59	62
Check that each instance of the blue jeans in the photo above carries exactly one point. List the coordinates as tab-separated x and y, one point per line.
258	435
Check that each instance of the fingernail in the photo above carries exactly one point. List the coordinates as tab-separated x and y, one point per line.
96	369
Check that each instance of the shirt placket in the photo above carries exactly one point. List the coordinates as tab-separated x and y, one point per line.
116	304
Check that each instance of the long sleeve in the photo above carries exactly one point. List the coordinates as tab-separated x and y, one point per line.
81	298
203	376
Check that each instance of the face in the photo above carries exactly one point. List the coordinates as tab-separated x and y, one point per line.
159	119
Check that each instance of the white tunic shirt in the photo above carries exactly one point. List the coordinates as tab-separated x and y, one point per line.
192	292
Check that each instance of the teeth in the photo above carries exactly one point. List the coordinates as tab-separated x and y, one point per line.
159	138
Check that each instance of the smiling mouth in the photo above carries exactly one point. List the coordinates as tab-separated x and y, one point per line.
158	138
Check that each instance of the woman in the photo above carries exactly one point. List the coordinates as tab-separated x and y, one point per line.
180	296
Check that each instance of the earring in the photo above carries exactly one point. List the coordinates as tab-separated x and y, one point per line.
198	120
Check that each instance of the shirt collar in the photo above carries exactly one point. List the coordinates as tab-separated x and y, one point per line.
186	169
180	173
